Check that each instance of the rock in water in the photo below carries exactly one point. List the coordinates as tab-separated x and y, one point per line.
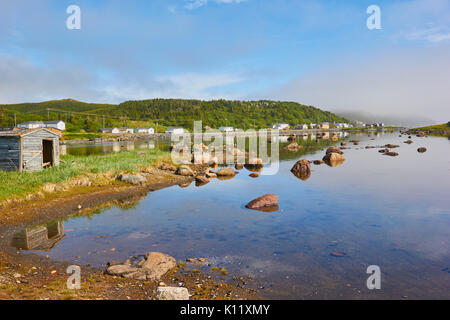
335	150
267	202
226	172
184	171
392	154
408	141
391	146
422	150
172	293
239	166
132	179
301	166
293	147
333	159
151	266
318	162
253	175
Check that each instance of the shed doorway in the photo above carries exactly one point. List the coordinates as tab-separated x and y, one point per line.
47	153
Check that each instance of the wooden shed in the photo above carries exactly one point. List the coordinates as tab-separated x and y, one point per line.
28	150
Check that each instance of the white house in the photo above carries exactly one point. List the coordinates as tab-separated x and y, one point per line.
226	129
109	130
175	130
31	125
125	130
145	130
57	124
324	125
302	127
280	126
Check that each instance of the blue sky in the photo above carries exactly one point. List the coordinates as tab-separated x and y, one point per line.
315	52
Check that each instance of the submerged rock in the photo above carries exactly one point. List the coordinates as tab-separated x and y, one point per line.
391	146
408	141
151	266
172	293
267	202
383	150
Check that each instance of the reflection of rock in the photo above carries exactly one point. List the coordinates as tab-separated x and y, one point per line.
391	146
333	159
318	162
42	237
254	167
392	154
422	150
172	293
292	137
201	181
253	175
239	166
383	150
267	202
185	184
302	169
184	171
223	178
293	147
151	266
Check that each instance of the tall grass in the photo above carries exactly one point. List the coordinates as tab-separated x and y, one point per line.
14	183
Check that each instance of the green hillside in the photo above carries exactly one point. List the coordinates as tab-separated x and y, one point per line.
89	117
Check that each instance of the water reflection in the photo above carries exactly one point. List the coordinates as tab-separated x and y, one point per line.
42	237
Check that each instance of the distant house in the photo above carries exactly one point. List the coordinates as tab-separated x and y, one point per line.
302	127
324	126
56	124
226	129
109	130
144	130
175	130
9	129
280	126
125	130
313	125
29	149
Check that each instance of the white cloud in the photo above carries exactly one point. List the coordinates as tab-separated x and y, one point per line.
432	34
193	4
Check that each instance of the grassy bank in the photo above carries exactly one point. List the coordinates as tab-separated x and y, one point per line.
437	130
19	184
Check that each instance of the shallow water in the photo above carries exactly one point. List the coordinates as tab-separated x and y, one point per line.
378	210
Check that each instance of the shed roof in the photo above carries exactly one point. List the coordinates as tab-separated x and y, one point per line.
21	133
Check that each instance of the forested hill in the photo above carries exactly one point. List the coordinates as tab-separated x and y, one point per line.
167	112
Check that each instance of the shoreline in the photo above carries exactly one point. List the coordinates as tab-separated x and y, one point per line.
28	275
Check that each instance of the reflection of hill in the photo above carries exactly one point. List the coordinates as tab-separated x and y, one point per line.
41	237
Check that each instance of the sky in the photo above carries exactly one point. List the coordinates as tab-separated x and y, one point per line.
316	52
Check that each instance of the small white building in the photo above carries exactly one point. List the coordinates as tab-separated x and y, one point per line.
175	130
280	126
31	125
324	125
144	130
56	124
313	125
226	129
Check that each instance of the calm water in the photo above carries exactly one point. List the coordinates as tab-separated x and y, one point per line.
379	210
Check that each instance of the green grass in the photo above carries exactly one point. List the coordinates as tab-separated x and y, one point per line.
17	184
444	126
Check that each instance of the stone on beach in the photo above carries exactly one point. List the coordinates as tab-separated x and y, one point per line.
267	202
184	171
134	179
172	293
152	266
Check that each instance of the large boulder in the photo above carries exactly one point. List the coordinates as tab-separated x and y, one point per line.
134	179
333	159
302	169
334	149
184	171
172	293
267	202
226	172
151	266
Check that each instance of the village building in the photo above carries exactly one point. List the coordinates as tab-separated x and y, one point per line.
302	127
280	126
324	126
144	130
55	124
175	130
28	150
226	129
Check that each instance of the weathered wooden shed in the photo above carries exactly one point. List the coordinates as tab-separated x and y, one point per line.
28	150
